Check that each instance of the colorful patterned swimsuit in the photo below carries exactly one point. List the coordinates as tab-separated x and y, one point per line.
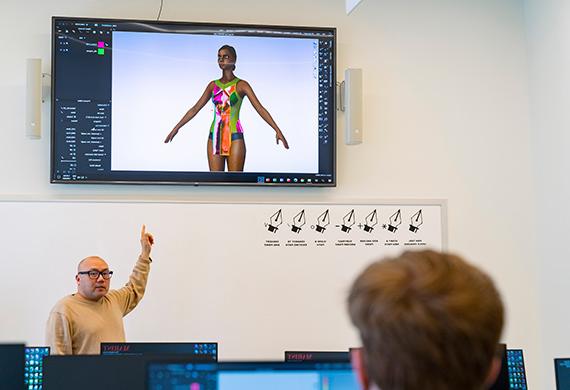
226	126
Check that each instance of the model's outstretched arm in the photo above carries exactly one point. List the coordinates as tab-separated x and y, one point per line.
191	113
248	91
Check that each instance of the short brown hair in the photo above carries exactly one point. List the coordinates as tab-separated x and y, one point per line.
427	320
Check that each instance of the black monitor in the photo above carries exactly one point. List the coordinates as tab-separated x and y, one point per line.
119	87
86	372
33	376
502	382
251	376
12	366
517	373
317	356
562	370
96	372
206	349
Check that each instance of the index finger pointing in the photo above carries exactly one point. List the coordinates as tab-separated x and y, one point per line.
143	231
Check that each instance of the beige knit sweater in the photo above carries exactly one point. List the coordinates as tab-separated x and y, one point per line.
78	326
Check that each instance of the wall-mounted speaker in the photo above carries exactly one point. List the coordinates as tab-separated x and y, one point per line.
353	106
351	5
33	98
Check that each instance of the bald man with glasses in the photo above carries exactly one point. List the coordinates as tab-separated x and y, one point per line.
80	322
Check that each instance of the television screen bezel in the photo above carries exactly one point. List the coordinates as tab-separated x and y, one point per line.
222	175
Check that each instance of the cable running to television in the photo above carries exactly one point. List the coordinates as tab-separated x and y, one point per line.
160	10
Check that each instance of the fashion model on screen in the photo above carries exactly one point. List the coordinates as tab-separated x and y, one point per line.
226	142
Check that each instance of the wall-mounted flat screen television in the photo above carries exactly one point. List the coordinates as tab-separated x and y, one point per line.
192	103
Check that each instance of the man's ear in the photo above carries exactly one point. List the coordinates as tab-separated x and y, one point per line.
359	368
494	371
77	279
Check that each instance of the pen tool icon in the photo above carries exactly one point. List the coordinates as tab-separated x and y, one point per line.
348	221
322	222
274	222
298	222
371	220
395	221
416	221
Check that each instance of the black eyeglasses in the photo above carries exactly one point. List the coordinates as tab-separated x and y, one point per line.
94	274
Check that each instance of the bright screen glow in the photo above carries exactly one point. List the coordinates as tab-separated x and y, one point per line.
298	380
251	376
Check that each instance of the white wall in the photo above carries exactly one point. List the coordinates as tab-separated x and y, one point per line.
214	277
549	58
446	103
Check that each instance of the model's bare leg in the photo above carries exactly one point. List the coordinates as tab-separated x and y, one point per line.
236	160
215	161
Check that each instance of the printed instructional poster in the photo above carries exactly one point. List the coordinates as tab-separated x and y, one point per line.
392	228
